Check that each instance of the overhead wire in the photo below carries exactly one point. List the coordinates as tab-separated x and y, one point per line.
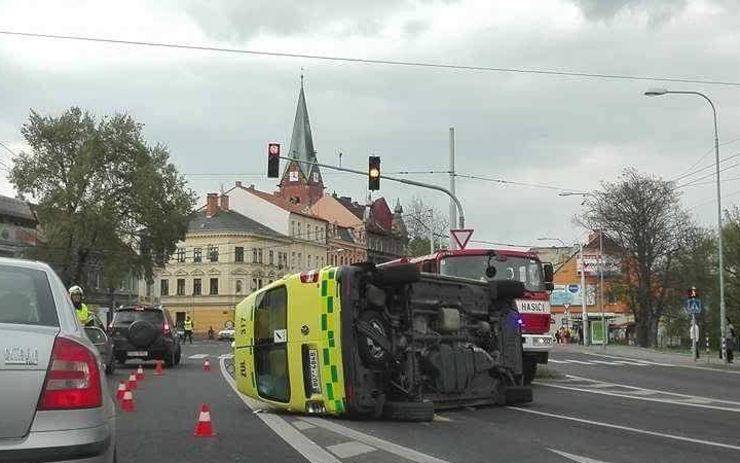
387	62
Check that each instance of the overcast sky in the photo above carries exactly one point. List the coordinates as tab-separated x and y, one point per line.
216	112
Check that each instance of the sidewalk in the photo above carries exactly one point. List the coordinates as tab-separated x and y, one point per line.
653	355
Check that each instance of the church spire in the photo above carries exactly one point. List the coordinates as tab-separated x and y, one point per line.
301	141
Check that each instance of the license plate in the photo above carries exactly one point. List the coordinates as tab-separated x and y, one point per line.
313	363
138	353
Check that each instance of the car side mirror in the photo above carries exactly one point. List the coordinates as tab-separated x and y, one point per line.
549	286
548	271
96	335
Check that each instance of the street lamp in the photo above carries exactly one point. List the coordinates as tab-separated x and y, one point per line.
584	311
722	309
605	330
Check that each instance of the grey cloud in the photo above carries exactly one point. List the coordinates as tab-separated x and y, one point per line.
240	20
605	10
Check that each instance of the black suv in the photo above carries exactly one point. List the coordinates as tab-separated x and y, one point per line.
144	332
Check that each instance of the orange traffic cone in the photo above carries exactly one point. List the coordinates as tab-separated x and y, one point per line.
204	428
139	373
127	404
131	382
207	365
121	390
158	371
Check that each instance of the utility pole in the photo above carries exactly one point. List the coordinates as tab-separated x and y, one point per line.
604	330
453	211
583	297
431	231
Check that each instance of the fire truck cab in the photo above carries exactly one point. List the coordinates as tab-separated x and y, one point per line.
503	265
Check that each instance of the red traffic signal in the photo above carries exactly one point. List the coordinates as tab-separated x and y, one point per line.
273	160
693	293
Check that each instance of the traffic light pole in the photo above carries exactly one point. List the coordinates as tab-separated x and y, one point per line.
460	212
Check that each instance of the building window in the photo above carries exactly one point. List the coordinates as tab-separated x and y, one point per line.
292	260
292	228
213	253
318	237
238	286
197	287
300	260
197	254
254	255
259	255
214	286
272	258
308	258
181	286
180	255
164	287
238	254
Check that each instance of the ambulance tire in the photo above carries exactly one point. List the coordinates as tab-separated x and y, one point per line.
409	411
518	395
530	370
370	353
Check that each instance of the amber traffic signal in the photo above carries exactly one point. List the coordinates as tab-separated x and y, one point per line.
373	173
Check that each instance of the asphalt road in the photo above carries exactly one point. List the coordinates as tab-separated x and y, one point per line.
613	410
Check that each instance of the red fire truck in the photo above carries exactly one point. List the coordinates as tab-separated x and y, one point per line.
500	264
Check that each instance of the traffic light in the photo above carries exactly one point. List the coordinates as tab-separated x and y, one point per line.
693	293
273	160
373	173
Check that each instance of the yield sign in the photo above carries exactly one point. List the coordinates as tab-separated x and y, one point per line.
462	236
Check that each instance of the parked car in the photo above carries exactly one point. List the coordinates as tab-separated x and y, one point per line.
226	334
104	344
55	402
145	332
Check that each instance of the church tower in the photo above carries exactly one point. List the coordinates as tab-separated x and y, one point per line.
301	182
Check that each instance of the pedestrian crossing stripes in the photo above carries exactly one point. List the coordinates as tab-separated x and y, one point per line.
198	356
202	356
641	363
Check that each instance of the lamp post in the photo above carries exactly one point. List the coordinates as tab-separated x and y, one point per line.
722	308
605	330
584	311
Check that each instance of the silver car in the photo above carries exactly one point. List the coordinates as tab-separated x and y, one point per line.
54	401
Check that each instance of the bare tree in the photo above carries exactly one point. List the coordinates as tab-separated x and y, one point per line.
423	220
641	214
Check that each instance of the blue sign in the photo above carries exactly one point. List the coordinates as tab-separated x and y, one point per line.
693	306
560	297
574	288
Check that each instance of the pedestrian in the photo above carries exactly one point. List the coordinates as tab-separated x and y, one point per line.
210	332
580	335
188	328
694	335
567	336
729	335
83	312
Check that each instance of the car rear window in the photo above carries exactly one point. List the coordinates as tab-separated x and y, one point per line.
25	297
126	317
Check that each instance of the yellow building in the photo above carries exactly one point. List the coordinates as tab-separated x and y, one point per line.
224	257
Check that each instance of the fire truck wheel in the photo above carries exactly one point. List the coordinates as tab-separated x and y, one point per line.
396	275
409	411
530	369
370	352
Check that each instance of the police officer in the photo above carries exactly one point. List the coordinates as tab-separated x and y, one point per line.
83	313
188	328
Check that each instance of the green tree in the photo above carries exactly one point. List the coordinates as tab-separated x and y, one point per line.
641	214
423	220
105	197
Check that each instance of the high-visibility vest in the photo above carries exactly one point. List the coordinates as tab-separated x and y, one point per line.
188	325
83	313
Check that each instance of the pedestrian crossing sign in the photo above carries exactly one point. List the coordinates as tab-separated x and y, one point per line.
693	306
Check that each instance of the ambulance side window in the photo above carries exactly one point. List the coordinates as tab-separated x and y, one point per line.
270	344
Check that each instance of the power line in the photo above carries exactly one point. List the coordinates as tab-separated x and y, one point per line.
511	182
711	174
346	59
708	166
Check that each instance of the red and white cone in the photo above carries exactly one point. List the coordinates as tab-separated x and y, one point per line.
131	382
139	373
204	428
121	390
127	404
207	365
158	370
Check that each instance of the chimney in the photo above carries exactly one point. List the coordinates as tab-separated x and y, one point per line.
238	183
211	204
224	202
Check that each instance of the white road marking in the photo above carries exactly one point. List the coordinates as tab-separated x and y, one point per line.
389	447
693	367
580	362
556	361
226	356
629	362
303	445
628	429
350	449
576	458
639	393
198	356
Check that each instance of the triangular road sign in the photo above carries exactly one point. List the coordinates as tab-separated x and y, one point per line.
462	236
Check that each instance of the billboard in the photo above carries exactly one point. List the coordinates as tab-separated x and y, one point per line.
611	264
571	294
